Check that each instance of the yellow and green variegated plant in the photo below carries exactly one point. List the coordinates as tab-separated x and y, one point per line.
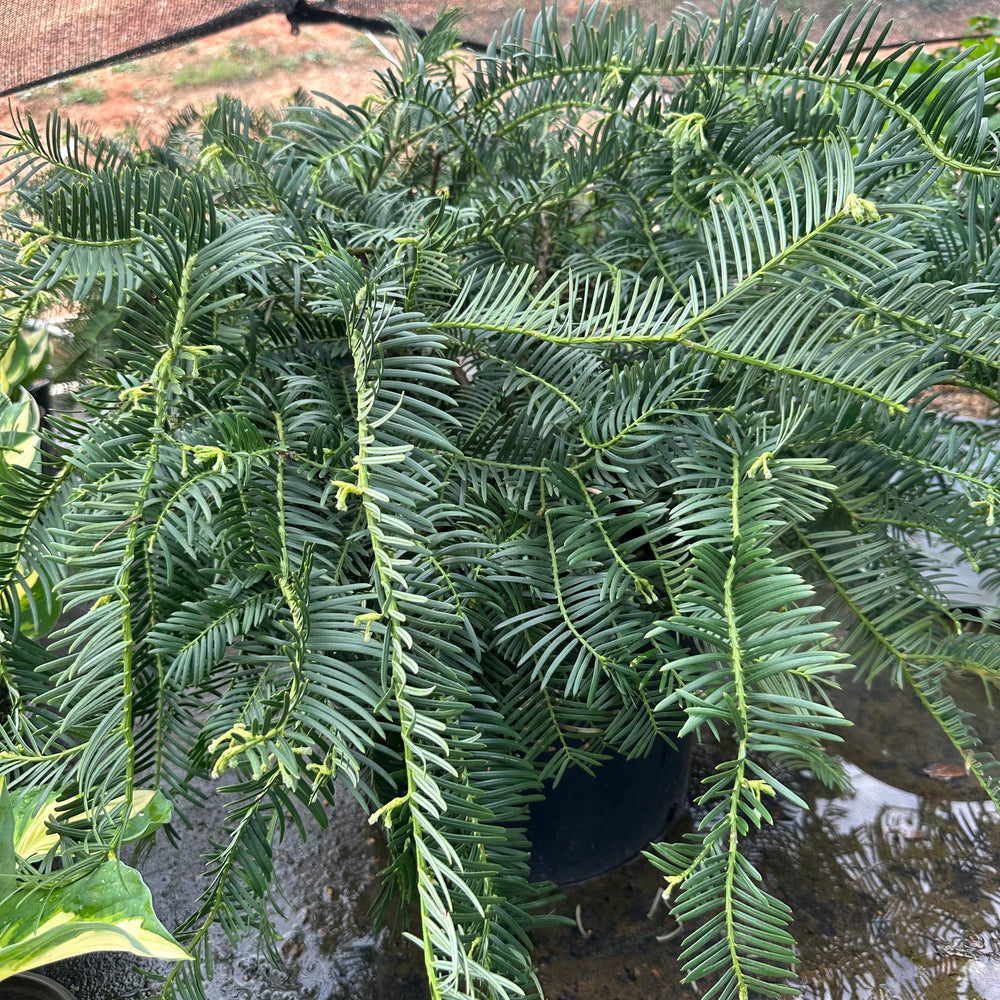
585	386
23	361
105	906
24	356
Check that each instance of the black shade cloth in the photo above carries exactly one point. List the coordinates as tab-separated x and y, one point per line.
42	40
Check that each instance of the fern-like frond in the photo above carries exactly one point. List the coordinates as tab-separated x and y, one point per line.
760	677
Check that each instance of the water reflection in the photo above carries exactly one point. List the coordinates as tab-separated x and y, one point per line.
895	885
896	893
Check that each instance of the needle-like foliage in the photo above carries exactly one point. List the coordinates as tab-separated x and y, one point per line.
538	409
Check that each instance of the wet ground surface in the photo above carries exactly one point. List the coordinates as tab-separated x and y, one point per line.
327	942
895	886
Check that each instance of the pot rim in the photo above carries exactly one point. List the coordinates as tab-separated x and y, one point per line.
56	990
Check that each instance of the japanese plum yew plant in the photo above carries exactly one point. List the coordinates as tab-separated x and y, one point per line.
541	408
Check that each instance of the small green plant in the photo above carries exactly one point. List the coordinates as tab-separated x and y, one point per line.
86	94
983	27
361	42
240	63
103	906
315	57
24	358
217	71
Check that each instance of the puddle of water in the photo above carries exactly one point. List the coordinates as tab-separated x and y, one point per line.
895	885
893	891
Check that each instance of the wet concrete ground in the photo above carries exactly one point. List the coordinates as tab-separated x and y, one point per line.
895	887
330	949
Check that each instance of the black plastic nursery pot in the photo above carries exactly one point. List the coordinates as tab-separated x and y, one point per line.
41	392
32	986
589	825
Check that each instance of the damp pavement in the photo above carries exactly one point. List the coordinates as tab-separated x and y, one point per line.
328	945
895	886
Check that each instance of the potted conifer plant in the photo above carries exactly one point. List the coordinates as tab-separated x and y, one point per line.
544	408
